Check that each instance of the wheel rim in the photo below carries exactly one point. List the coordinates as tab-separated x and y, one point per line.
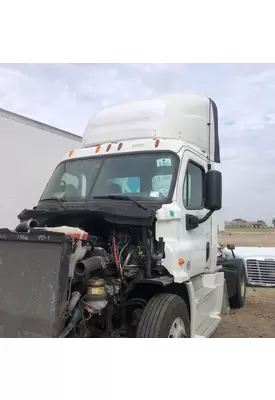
242	287
177	329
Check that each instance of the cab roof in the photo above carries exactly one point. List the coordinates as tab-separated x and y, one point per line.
190	118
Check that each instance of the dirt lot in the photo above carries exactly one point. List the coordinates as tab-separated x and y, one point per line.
253	238
256	319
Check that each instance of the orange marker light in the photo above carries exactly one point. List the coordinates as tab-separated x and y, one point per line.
181	261
71	153
97	149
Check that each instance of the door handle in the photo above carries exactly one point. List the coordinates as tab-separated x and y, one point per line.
207	251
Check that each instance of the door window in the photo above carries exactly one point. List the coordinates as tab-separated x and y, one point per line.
193	187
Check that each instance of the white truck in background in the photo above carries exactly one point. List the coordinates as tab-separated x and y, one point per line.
29	152
124	239
259	263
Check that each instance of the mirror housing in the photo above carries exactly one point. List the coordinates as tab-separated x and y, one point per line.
213	190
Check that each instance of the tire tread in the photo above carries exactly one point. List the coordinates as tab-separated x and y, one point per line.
155	312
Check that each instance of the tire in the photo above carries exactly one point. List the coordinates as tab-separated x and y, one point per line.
238	299
164	316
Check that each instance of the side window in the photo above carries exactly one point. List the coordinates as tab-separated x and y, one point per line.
69	179
193	187
128	185
83	185
70	185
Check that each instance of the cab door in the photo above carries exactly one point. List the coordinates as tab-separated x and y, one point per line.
196	243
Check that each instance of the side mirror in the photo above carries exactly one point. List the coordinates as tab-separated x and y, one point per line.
213	190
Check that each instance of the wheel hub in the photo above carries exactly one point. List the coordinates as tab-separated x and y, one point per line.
242	287
177	329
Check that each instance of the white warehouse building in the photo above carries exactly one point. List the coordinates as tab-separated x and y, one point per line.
30	150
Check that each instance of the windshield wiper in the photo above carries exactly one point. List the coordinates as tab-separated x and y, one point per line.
120	197
61	201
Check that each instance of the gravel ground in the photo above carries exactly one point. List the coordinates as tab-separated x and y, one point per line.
256	319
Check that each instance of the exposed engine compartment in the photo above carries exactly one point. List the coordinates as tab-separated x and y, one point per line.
106	262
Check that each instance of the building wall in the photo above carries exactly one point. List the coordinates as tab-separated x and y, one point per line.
29	152
244	224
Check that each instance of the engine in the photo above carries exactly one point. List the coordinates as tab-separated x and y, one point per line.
101	271
106	262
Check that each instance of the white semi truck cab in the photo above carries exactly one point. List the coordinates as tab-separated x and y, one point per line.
127	232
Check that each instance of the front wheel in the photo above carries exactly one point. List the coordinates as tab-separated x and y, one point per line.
165	316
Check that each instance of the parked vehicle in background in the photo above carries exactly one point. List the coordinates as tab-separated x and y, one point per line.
259	264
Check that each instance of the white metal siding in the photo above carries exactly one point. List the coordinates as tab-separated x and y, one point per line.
29	152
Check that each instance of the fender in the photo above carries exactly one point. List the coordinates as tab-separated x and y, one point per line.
146	288
156	285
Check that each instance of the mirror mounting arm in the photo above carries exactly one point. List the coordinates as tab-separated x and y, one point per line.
192	222
205	218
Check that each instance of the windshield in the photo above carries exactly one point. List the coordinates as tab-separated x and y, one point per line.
146	176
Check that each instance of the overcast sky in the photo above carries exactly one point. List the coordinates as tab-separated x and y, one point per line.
66	95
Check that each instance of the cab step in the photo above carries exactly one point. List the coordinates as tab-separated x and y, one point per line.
208	327
208	299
